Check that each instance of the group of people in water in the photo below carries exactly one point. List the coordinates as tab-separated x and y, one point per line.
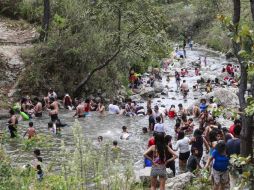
196	131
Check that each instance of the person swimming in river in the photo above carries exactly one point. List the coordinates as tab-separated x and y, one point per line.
101	108
30	131
125	134
87	107
115	147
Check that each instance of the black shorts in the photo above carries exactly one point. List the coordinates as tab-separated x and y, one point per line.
38	114
184	156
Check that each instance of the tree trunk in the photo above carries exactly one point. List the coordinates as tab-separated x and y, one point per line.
45	21
78	89
252	8
247	121
237	11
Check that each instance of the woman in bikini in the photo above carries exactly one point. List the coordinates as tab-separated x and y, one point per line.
159	160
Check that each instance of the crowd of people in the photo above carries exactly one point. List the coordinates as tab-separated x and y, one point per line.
200	141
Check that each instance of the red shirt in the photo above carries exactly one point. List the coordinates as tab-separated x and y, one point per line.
151	142
231	129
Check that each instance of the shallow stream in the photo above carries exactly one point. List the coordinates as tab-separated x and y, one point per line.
110	126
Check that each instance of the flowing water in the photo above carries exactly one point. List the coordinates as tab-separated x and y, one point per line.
109	126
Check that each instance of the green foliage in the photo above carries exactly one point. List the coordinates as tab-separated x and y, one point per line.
40	141
201	181
31	10
246	177
83	35
249	110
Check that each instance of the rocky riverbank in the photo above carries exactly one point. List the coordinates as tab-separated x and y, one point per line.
15	36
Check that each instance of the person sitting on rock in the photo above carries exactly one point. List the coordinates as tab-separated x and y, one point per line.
208	86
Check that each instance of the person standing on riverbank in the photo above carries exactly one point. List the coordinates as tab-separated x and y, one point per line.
220	173
156	153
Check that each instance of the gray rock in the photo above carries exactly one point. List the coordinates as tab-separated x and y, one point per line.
179	182
157	95
145	92
227	97
4	114
135	97
158	86
104	95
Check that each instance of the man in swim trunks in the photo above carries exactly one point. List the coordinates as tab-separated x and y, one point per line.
79	109
37	107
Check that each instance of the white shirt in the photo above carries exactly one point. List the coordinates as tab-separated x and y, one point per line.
113	109
159	127
183	145
53	94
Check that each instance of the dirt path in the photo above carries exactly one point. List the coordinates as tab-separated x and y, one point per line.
14	37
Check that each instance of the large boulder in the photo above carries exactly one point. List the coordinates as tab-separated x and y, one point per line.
158	86
226	97
146	91
207	76
179	182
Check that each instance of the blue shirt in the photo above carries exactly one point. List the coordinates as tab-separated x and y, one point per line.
202	107
220	162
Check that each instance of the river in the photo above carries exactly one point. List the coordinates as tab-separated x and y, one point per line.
110	126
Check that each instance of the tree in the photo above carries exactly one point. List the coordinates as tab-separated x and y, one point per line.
45	21
252	9
247	120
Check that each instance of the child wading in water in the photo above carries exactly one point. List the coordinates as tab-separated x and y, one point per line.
30	131
220	174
